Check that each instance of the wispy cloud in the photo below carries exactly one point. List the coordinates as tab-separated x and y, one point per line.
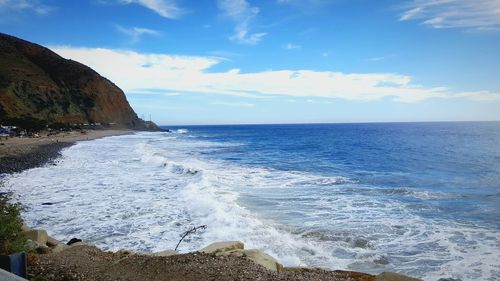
242	13
165	8
25	5
310	3
291	46
233	104
476	14
190	74
381	58
135	33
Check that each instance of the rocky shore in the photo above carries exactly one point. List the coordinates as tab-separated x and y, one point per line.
37	157
222	261
18	154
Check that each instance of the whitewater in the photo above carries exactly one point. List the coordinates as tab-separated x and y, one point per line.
142	191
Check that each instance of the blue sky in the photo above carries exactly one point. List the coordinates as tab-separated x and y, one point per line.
280	61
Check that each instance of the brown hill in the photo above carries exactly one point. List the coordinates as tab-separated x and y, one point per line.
39	86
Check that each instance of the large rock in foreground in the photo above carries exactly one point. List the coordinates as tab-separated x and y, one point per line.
37	86
219	247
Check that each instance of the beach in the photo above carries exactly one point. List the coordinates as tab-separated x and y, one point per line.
21	153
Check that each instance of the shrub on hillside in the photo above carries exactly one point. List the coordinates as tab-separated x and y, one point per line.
12	238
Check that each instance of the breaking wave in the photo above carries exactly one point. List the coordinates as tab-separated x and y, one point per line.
144	198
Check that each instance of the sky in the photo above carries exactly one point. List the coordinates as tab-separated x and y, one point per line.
280	61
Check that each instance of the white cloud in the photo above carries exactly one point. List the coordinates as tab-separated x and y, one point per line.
135	33
25	5
476	14
291	46
134	71
242	13
233	104
375	59
165	8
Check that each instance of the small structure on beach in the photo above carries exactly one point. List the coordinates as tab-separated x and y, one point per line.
7	131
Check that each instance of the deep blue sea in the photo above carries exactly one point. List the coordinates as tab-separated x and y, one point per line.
418	198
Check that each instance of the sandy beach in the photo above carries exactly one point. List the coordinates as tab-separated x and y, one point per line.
16	146
20	153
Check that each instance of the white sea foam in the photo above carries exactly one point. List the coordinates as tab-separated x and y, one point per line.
142	191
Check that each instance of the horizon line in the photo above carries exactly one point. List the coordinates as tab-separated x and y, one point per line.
332	123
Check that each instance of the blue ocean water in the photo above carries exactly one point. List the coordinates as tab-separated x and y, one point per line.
460	161
417	198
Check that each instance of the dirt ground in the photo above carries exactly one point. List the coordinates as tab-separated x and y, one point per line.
81	263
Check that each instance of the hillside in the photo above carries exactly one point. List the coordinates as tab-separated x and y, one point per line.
37	86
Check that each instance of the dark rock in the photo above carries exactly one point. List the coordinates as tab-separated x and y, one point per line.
38	157
47	203
361	243
382	260
73	241
449	279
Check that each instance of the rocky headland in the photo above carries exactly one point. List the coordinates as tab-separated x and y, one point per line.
38	88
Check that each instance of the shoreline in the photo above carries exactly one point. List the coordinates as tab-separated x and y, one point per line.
54	259
19	154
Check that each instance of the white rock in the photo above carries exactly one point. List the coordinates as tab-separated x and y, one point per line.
165	253
263	259
223	247
51	242
59	248
37	235
233	253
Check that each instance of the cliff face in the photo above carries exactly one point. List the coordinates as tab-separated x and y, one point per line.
37	84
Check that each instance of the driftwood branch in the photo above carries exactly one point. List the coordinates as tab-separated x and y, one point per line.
193	230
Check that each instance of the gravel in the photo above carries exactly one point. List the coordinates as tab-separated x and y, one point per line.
83	262
32	157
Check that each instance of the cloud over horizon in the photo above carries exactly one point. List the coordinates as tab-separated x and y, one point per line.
135	72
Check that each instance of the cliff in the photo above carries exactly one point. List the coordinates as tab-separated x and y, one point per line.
38	86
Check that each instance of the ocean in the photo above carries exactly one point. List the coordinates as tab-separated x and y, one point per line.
421	199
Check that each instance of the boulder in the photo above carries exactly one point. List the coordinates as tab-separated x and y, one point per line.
222	247
37	235
391	276
263	259
73	241
165	253
59	248
31	245
43	250
52	242
34	246
233	253
76	244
